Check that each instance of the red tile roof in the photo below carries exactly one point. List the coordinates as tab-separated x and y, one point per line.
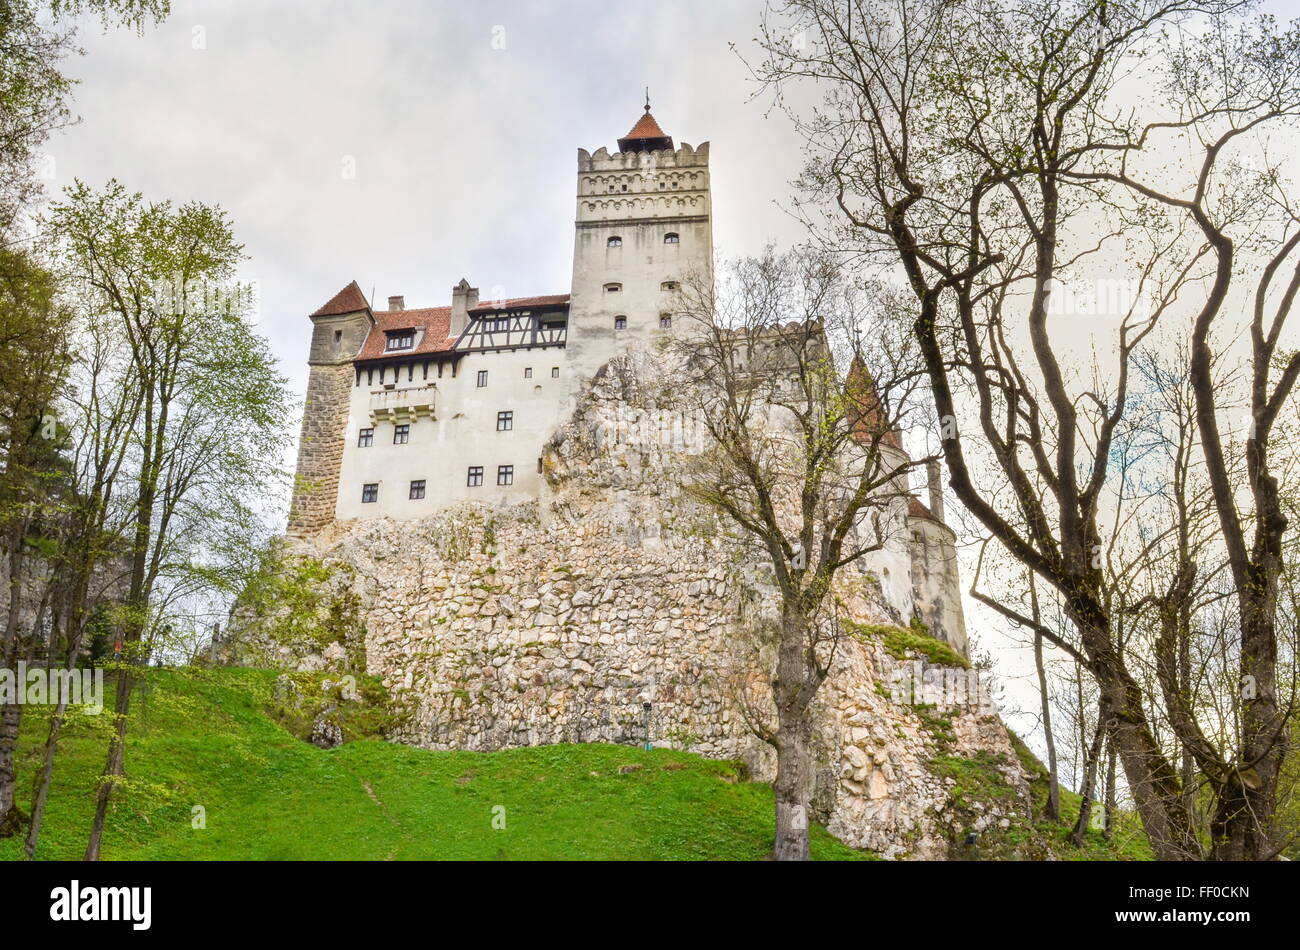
434	321
348	300
520	303
917	510
646	128
645	135
866	415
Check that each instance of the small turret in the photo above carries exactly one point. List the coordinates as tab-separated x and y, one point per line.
646	136
339	330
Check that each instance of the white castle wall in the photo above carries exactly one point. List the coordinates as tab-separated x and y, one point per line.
640	197
460	431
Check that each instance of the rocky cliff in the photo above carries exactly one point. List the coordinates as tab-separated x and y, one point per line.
616	609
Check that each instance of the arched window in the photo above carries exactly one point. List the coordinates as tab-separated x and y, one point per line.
671	238
668	285
615	241
613	288
620	323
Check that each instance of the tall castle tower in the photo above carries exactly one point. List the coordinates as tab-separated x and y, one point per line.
339	329
643	225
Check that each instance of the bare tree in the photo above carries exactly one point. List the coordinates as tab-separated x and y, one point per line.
974	147
806	463
1229	81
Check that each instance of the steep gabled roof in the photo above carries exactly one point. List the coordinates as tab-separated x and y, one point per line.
348	300
646	136
866	415
520	303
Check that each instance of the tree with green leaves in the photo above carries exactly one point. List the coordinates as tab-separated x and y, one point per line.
36	36
32	364
211	410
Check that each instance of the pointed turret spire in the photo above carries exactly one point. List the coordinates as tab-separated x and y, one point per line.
866	415
646	136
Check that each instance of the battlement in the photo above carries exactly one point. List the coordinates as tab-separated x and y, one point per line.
685	156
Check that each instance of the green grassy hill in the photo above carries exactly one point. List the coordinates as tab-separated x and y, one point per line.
211	739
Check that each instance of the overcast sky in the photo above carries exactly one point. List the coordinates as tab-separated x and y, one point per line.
464	152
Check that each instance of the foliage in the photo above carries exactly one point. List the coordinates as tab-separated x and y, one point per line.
204	738
903	643
299	602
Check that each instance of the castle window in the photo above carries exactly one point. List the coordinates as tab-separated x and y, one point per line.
338	337
366	438
528	372
417	490
505	421
671	238
369	493
539	466
555	372
620	323
665	321
505	474
482	378
669	285
401	434
475	477
674	184
625	188
401	339
614	242
613	288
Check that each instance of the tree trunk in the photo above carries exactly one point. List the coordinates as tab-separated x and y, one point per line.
137	620
11	818
794	772
113	766
1152	780
1240	829
1053	808
1087	786
77	620
1110	791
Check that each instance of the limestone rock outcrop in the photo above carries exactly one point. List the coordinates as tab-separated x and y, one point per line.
617	609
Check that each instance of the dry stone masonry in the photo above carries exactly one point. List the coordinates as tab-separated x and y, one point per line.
615	609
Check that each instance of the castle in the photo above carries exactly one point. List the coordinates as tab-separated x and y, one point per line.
410	411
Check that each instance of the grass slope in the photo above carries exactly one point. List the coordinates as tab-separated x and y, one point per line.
206	739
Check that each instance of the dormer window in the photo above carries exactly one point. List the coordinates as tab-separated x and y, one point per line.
614	242
496	324
672	238
613	288
401	339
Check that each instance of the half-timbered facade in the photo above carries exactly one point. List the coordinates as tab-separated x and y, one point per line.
412	409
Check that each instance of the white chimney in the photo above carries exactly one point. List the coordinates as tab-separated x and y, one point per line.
463	299
934	476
